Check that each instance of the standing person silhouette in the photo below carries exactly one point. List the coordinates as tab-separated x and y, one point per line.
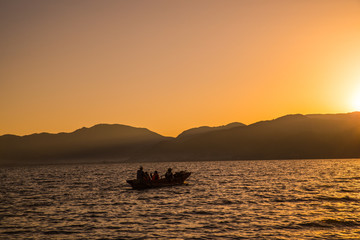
140	175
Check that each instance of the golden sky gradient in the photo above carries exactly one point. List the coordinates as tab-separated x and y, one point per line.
173	65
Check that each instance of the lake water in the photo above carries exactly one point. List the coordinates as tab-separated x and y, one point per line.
297	199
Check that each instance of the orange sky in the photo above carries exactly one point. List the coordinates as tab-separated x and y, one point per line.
172	65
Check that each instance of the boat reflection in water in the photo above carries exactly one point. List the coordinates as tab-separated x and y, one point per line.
178	179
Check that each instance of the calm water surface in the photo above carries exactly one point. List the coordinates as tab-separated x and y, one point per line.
301	199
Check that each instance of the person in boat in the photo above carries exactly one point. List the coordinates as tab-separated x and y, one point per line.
147	177
169	175
155	176
140	175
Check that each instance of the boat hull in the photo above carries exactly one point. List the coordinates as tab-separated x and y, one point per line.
179	179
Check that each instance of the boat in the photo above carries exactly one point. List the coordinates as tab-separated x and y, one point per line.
179	178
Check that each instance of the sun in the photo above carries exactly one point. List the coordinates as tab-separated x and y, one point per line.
355	102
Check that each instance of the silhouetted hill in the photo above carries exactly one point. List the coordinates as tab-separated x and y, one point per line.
205	129
103	141
289	137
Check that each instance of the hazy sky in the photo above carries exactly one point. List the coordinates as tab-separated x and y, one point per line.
172	65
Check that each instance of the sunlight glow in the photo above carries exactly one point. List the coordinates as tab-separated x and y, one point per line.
355	102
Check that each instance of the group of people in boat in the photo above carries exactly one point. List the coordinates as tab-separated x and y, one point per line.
144	176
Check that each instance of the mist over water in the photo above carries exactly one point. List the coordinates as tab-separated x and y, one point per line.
295	199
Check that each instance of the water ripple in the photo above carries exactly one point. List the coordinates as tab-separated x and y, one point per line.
299	199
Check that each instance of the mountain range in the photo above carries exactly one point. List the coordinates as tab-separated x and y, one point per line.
297	136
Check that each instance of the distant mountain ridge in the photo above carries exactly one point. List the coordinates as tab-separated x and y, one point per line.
205	129
294	136
289	137
100	142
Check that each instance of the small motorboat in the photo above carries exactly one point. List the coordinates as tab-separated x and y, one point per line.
179	178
